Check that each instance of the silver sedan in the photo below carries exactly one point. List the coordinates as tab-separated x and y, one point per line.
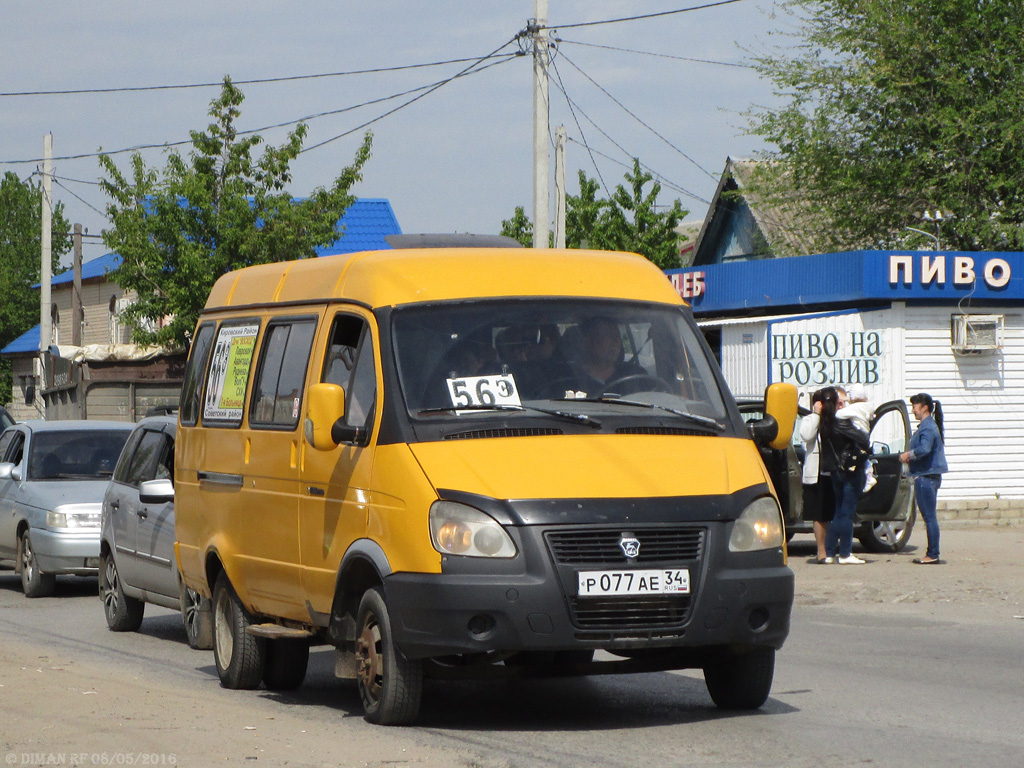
53	475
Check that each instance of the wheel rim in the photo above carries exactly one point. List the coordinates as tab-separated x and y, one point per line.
370	658
222	621
890	532
110	588
191	611
28	560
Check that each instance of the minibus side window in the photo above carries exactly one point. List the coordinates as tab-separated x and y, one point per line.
228	376
191	391
349	363
281	375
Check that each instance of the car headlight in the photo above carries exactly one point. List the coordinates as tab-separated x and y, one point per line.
759	527
456	529
75	516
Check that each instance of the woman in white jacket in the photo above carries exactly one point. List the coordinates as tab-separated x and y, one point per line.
819	497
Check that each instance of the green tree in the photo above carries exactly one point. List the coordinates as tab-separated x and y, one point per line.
629	221
890	109
20	267
519	227
217	210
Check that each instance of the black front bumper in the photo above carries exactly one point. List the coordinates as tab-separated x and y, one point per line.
529	603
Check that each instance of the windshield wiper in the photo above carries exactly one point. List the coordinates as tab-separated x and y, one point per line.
580	418
703	421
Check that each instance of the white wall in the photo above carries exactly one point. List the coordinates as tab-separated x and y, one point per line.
982	395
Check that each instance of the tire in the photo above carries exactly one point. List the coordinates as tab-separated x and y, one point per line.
286	663
34	582
123	613
390	685
239	656
887	536
740	680
196	617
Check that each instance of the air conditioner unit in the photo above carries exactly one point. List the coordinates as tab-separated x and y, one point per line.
971	334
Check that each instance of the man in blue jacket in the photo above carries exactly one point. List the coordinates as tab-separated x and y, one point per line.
927	461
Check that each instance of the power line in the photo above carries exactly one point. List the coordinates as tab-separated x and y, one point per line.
255	81
572	111
656	55
471	69
635	117
77	197
428	88
644	16
573	108
661	179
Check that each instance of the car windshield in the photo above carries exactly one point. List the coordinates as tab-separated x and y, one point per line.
461	359
79	454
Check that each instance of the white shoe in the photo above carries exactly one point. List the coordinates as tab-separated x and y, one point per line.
851	560
827	560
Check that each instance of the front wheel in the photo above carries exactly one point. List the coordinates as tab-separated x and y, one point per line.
887	535
123	613
34	582
239	656
390	685
740	680
197	617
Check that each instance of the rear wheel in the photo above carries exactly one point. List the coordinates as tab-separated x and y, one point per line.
239	656
887	535
123	613
34	582
286	663
390	685
740	680
197	617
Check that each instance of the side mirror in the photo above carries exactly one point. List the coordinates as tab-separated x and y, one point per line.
156	491
780	402
5	471
763	431
326	408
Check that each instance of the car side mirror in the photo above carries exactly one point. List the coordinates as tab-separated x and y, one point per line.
763	431
156	491
6	470
326	409
780	402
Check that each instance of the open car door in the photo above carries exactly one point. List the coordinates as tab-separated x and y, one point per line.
886	512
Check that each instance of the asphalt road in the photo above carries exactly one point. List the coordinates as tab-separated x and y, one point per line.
888	664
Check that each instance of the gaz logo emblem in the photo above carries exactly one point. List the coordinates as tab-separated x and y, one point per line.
630	545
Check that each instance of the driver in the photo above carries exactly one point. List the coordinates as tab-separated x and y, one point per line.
602	361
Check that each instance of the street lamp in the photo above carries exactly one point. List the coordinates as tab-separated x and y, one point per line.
938	246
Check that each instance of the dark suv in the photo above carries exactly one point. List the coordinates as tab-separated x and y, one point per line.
885	514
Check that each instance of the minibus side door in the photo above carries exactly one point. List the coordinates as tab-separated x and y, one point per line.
335	493
268	530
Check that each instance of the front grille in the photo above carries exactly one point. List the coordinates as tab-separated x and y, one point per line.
628	613
601	547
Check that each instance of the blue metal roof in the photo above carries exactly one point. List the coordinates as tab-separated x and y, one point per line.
834	280
362	228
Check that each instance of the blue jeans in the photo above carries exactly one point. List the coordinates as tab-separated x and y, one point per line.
926	491
839	536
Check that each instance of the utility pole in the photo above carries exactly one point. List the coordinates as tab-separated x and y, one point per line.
45	276
76	293
541	216
560	187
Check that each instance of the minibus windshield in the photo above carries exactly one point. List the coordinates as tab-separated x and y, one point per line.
517	356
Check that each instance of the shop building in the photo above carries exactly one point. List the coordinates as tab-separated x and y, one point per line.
898	322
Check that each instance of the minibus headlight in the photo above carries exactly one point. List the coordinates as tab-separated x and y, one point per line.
456	529
759	527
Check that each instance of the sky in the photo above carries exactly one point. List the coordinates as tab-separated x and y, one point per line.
667	90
